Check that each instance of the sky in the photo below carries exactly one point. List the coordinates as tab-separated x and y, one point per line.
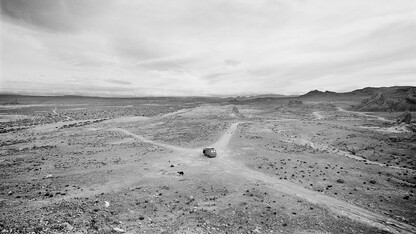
203	48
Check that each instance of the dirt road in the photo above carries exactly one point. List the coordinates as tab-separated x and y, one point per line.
226	163
310	168
140	138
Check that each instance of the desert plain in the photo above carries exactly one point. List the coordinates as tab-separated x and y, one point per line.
284	165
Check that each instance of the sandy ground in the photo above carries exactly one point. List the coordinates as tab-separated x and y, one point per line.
313	168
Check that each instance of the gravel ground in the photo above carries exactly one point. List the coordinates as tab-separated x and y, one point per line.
78	169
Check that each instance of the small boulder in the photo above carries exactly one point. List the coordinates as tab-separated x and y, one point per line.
68	227
116	229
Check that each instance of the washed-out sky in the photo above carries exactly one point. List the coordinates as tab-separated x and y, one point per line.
210	47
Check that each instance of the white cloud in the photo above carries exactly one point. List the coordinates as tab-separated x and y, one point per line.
191	47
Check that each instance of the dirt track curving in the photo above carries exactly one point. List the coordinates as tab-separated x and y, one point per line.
238	169
137	167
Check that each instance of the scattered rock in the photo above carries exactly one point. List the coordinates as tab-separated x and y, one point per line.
181	173
191	198
257	230
68	227
116	229
395	139
293	103
341	181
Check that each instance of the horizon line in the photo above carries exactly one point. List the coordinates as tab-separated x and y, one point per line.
276	95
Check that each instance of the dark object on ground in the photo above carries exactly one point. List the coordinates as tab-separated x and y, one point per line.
210	152
405	118
181	173
341	181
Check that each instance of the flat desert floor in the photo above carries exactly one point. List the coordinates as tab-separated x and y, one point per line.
114	166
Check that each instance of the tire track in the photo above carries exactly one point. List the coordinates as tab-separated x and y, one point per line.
238	169
143	139
365	115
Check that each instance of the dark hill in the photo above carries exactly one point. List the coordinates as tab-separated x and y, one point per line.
389	100
395	98
394	92
318	94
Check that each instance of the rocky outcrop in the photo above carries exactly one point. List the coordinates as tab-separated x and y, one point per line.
375	103
405	118
237	113
383	101
411	96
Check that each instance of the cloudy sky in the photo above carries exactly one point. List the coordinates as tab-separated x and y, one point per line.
211	47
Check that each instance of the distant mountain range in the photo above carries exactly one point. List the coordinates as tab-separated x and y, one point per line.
393	92
396	98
